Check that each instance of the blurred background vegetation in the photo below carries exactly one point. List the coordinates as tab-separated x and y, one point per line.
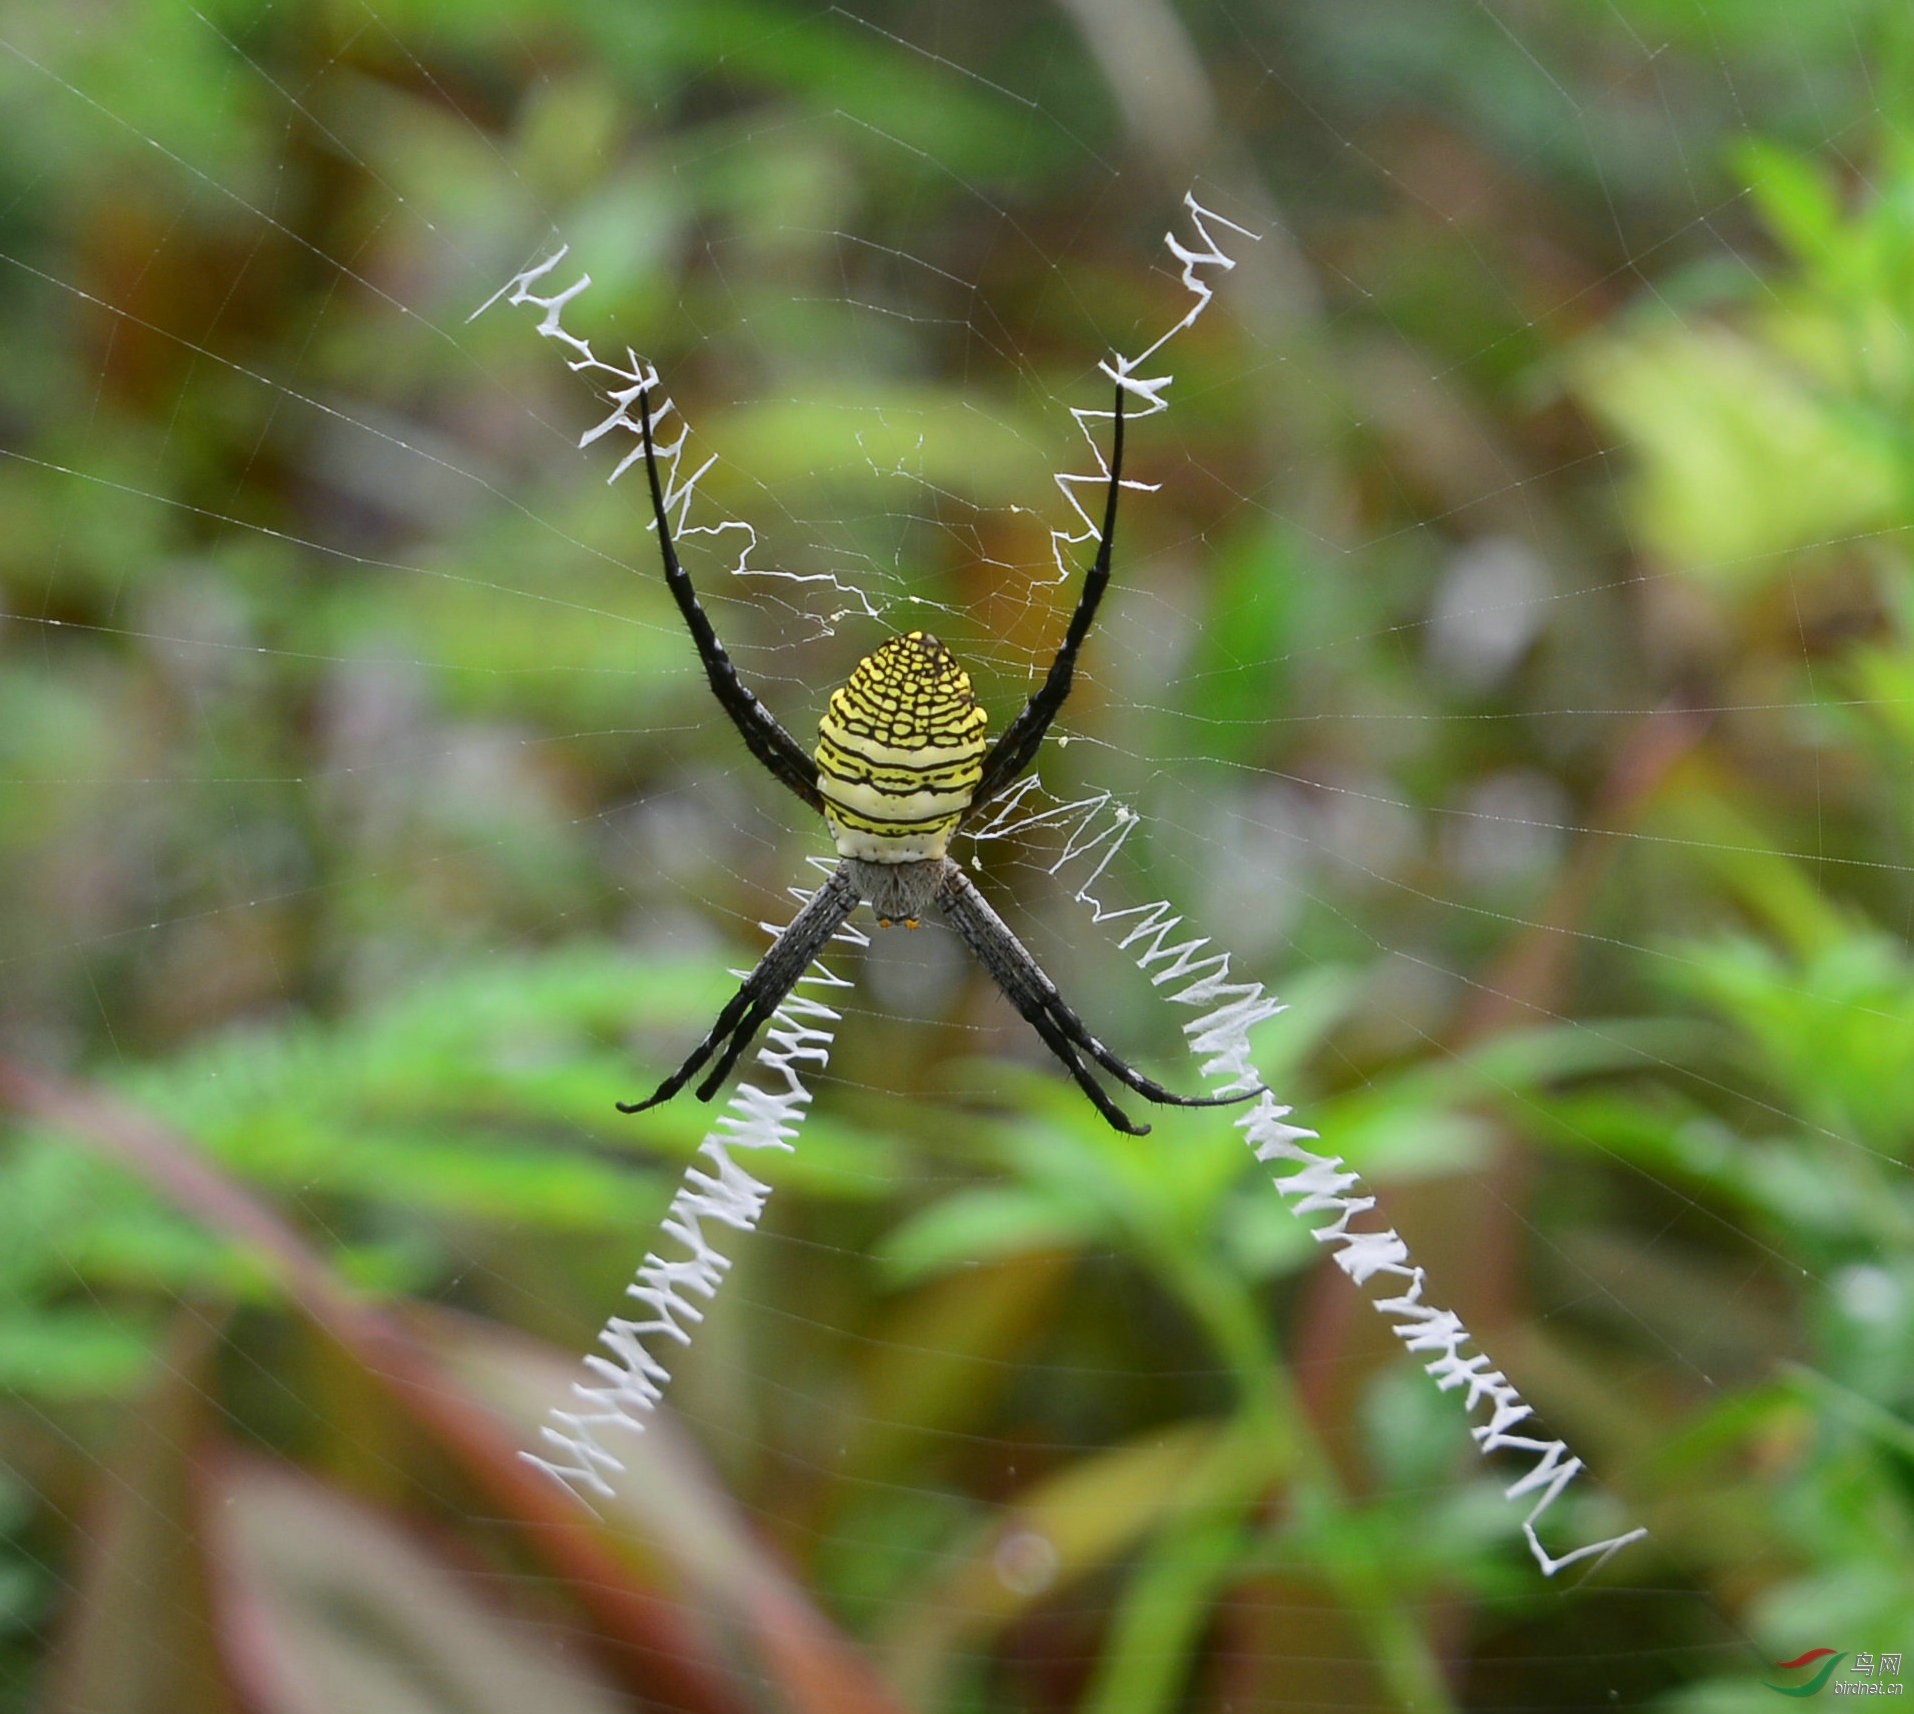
1515	667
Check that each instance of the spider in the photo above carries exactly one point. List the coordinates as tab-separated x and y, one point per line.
901	761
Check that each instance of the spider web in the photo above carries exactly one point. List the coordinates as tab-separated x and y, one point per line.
671	1294
491	753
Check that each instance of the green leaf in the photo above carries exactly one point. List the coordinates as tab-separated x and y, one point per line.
63	1355
1795	198
1741	458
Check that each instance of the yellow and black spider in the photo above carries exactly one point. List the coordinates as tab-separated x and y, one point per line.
900	762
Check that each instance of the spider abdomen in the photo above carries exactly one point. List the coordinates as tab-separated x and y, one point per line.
900	751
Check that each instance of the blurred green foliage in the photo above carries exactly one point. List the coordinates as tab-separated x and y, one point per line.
1513	666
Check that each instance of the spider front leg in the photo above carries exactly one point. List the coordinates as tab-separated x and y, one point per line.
764	990
1017	748
777	751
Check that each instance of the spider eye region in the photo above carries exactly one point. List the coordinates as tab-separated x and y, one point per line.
900	751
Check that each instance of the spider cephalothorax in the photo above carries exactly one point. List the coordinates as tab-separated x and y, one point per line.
901	759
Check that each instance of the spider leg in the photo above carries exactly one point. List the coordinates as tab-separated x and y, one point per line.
1016	748
763	992
759	1015
1025	986
1066	1051
781	754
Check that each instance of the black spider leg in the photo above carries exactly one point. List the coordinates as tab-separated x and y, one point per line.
763	991
783	757
1025	986
1016	748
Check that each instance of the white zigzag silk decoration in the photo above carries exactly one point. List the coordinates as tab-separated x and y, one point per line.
1315	1183
715	1190
632	1379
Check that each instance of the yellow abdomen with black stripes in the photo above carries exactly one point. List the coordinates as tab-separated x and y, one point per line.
899	752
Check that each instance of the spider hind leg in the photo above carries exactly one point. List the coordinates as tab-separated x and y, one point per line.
1024	984
764	990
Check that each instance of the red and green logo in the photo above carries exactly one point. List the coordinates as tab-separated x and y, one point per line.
1820	1678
